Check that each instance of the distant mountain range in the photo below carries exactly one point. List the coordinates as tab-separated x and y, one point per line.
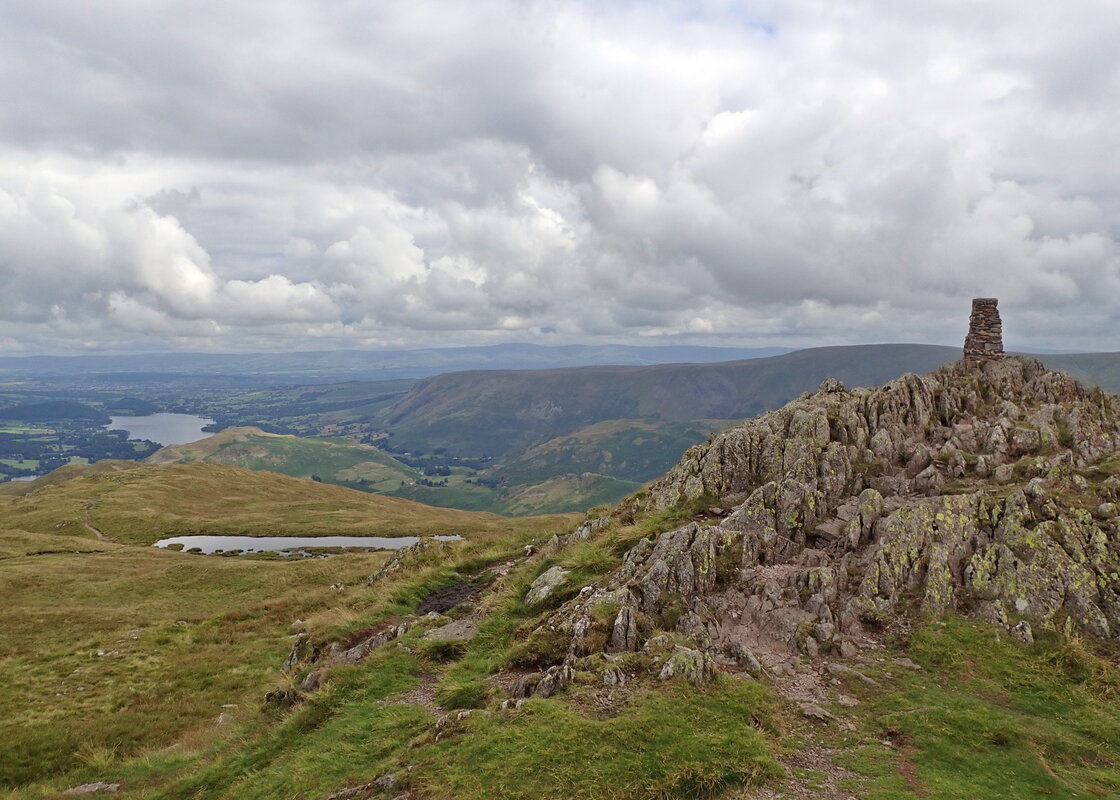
500	413
327	366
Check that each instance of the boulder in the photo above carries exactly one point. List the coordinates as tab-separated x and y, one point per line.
545	584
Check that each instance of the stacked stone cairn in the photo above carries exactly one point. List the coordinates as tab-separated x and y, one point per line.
985	332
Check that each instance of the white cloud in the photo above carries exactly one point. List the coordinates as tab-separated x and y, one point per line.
227	175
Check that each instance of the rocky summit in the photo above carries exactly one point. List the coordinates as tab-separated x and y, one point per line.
985	488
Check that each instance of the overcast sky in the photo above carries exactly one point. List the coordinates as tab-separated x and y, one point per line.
304	175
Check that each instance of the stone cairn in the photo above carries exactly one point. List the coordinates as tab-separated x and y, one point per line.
985	332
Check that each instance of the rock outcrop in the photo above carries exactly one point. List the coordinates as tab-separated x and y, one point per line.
852	506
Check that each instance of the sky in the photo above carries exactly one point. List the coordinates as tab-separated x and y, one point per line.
299	175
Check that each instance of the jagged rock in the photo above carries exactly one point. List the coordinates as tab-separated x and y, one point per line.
624	632
613	676
299	650
459	630
929	480
312	681
425	550
1003	474
282	698
362	649
582	533
844	671
545	584
693	665
525	685
554	680
746	660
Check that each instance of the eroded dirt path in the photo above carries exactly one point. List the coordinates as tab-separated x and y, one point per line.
90	527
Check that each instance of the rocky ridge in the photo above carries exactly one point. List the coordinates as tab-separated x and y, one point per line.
983	488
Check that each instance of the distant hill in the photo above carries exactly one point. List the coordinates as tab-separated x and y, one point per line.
627	449
339	461
131	406
1093	369
501	413
368	365
52	410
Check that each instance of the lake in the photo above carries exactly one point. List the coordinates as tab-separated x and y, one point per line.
163	428
290	545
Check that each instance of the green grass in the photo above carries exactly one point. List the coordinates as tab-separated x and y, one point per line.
675	742
994	719
178	636
341	736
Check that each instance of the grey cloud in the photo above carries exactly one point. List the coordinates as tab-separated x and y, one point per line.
217	174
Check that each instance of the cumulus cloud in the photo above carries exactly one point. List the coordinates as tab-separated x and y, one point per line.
74	256
239	174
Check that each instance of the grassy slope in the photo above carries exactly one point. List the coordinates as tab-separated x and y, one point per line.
559	495
113	652
338	461
627	449
985	717
139	504
305	409
179	636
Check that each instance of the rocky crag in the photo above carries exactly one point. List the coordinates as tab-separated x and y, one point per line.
984	488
